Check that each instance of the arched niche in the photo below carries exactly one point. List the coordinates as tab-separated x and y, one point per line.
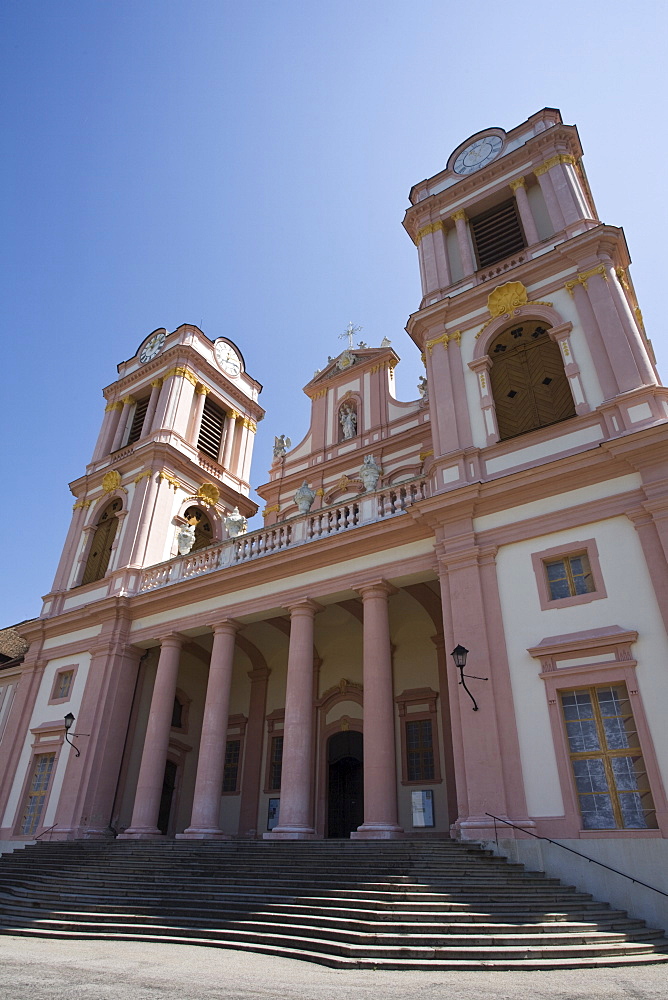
104	535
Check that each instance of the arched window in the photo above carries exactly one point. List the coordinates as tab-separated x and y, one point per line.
203	528
528	381
103	539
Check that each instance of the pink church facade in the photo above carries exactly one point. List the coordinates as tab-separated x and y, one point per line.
295	680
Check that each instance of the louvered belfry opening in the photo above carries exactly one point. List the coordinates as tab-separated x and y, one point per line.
103	539
211	429
141	407
528	381
497	233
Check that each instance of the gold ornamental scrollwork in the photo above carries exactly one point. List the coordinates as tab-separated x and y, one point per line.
506	297
116	405
433	227
583	278
208	494
461	214
519	182
82	504
169	478
555	161
271	509
142	475
182	372
111	481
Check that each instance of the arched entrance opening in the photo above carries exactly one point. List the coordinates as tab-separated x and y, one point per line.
345	784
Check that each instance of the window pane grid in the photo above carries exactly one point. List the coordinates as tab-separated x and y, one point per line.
419	750
569	577
231	769
610	777
39	786
276	763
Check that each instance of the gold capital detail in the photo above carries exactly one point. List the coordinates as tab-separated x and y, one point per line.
157	383
172	480
182	372
638	315
116	405
270	510
555	161
506	297
250	424
146	474
461	214
433	227
129	400
320	492
317	395
517	183
426	454
112	481
622	277
82	504
583	278
202	390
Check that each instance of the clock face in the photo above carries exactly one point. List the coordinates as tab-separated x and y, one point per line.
227	358
478	154
153	348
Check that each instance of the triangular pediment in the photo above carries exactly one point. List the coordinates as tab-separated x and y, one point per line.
351	359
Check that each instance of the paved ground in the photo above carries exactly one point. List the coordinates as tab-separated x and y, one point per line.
88	970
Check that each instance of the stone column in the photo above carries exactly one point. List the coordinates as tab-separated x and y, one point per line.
230	429
156	386
250	779
464	241
380	760
524	208
112	415
295	819
128	403
152	769
551	200
201	392
204	821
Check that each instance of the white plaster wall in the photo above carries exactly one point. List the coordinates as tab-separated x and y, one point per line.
43	712
630	603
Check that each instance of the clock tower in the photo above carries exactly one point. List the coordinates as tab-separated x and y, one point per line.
174	449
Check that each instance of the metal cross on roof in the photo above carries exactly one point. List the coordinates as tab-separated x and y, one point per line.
350	332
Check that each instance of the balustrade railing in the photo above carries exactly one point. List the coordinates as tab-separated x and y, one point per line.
333	519
288	534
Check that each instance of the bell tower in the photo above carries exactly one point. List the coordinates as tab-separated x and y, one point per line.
530	329
174	448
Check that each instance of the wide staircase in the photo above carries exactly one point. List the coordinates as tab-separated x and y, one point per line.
346	904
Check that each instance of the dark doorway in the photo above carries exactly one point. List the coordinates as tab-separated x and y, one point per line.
345	794
168	786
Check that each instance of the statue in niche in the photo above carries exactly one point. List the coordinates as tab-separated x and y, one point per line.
370	472
423	387
185	536
348	419
281	445
236	523
304	498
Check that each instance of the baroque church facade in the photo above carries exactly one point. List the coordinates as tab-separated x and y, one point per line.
297	680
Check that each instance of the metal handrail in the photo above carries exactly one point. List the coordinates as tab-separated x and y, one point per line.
593	861
48	830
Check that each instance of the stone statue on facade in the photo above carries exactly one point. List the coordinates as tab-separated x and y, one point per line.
423	387
370	472
185	538
281	445
348	419
236	523
304	498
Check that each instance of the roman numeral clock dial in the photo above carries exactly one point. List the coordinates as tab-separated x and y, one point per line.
478	154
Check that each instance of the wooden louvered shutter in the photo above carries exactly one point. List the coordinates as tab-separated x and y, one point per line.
211	429
141	407
528	381
497	233
103	539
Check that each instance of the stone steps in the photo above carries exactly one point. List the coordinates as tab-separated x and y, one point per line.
385	905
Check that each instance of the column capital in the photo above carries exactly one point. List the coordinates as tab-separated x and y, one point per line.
170	639
519	182
303	606
229	625
371	588
459	216
202	390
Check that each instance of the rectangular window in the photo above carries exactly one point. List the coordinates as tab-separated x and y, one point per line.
419	750
275	763
141	406
569	576
211	429
39	786
231	771
63	684
609	772
497	233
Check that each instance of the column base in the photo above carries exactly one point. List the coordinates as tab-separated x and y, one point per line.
483	828
194	833
286	833
378	831
141	833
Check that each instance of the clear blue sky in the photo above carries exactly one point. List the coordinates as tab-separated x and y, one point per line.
245	167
